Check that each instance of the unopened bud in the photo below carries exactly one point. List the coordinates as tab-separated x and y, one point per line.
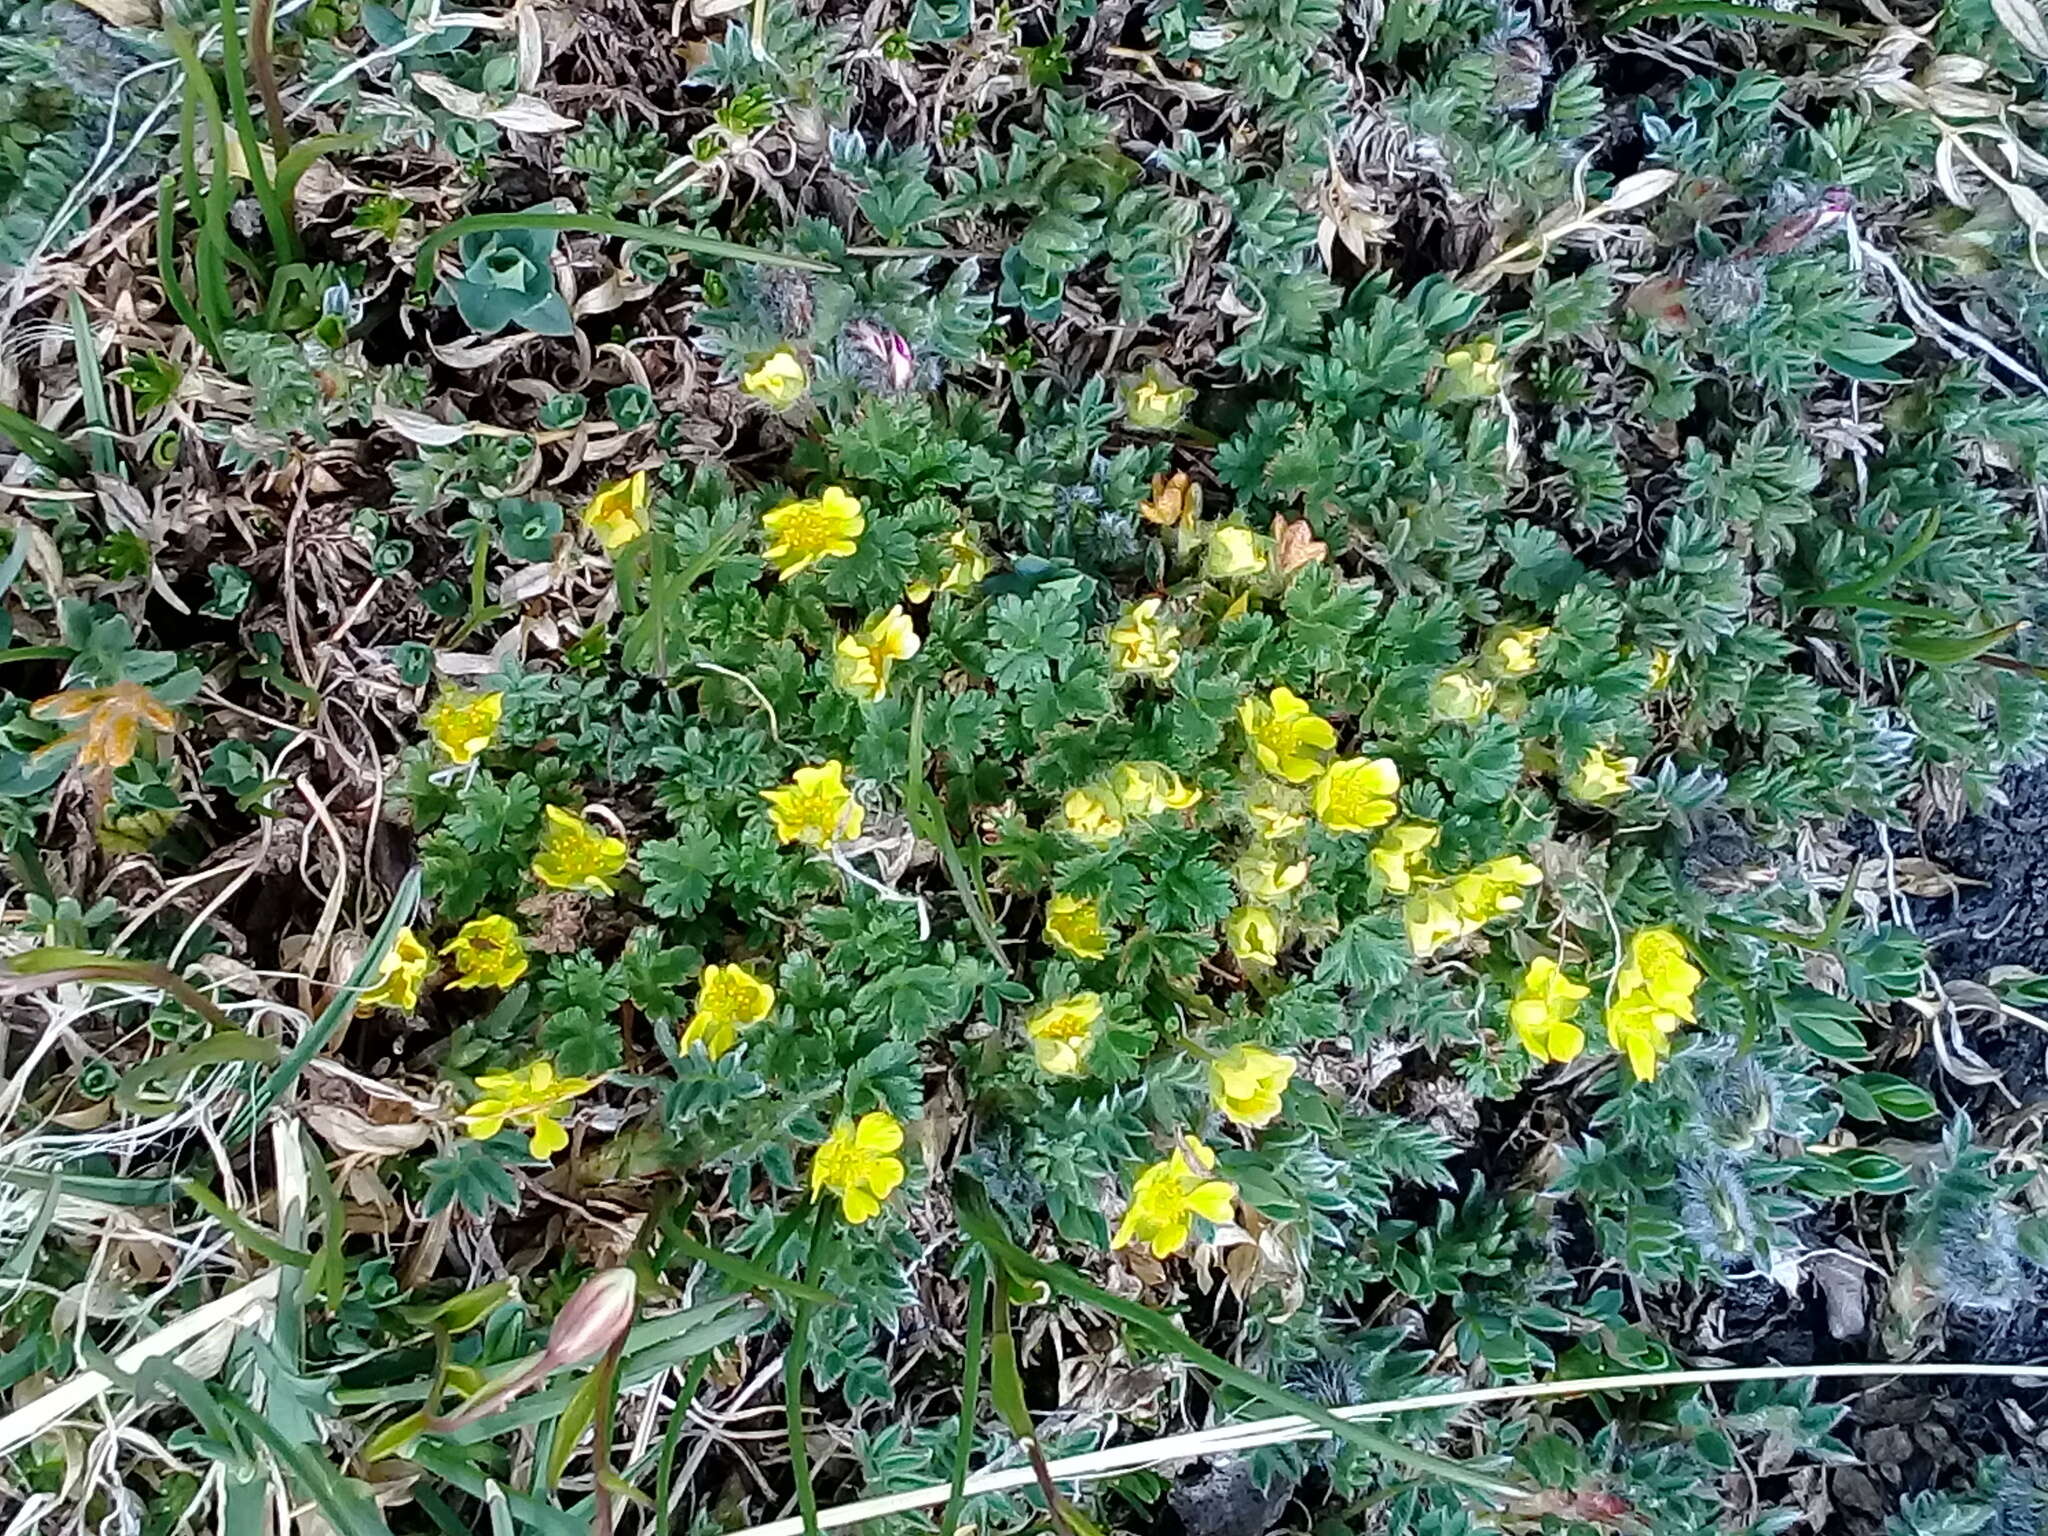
594	1319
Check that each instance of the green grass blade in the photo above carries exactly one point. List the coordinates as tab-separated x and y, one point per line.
970	1390
751	1275
92	386
45	447
332	1017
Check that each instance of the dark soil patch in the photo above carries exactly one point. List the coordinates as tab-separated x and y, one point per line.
2004	921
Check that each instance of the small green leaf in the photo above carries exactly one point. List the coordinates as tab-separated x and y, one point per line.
1874	1095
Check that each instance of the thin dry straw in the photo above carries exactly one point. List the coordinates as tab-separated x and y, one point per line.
1277	1431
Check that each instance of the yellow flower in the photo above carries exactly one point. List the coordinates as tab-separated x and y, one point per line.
1652	996
1246	1083
1166	1198
815	807
1511	650
805	532
1063	1032
404	968
1274	818
1601	776
1494	888
617	513
114	717
1254	935
1433	920
1545	1004
858	1163
1662	662
1143	644
463	724
1234	554
1659	966
969	567
1473	372
486	952
863	661
1286	735
1458	695
1402	853
1146	789
531	1097
576	856
1155	402
779	379
1266	881
1355	794
1640	1031
1093	813
1074	924
1175	502
728	1000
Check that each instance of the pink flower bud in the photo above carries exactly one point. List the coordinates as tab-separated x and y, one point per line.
888	352
594	1319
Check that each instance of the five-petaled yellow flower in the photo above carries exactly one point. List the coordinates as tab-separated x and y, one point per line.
1143	644
1267	881
1460	696
1494	888
1601	776
1513	650
1074	924
1254	935
1154	402
1473	372
815	807
968	568
576	856
462	723
486	952
1246	1083
813	529
533	1098
858	1163
1275	817
862	664
1287	736
1356	794
1402	853
399	976
1062	1032
1167	1196
778	378
1545	1004
1146	789
1235	554
1432	920
1652	996
1093	813
115	720
729	998
617	514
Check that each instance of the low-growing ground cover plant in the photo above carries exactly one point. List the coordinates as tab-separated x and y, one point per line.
972	735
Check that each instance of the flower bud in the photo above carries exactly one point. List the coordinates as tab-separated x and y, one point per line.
888	361
594	1319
